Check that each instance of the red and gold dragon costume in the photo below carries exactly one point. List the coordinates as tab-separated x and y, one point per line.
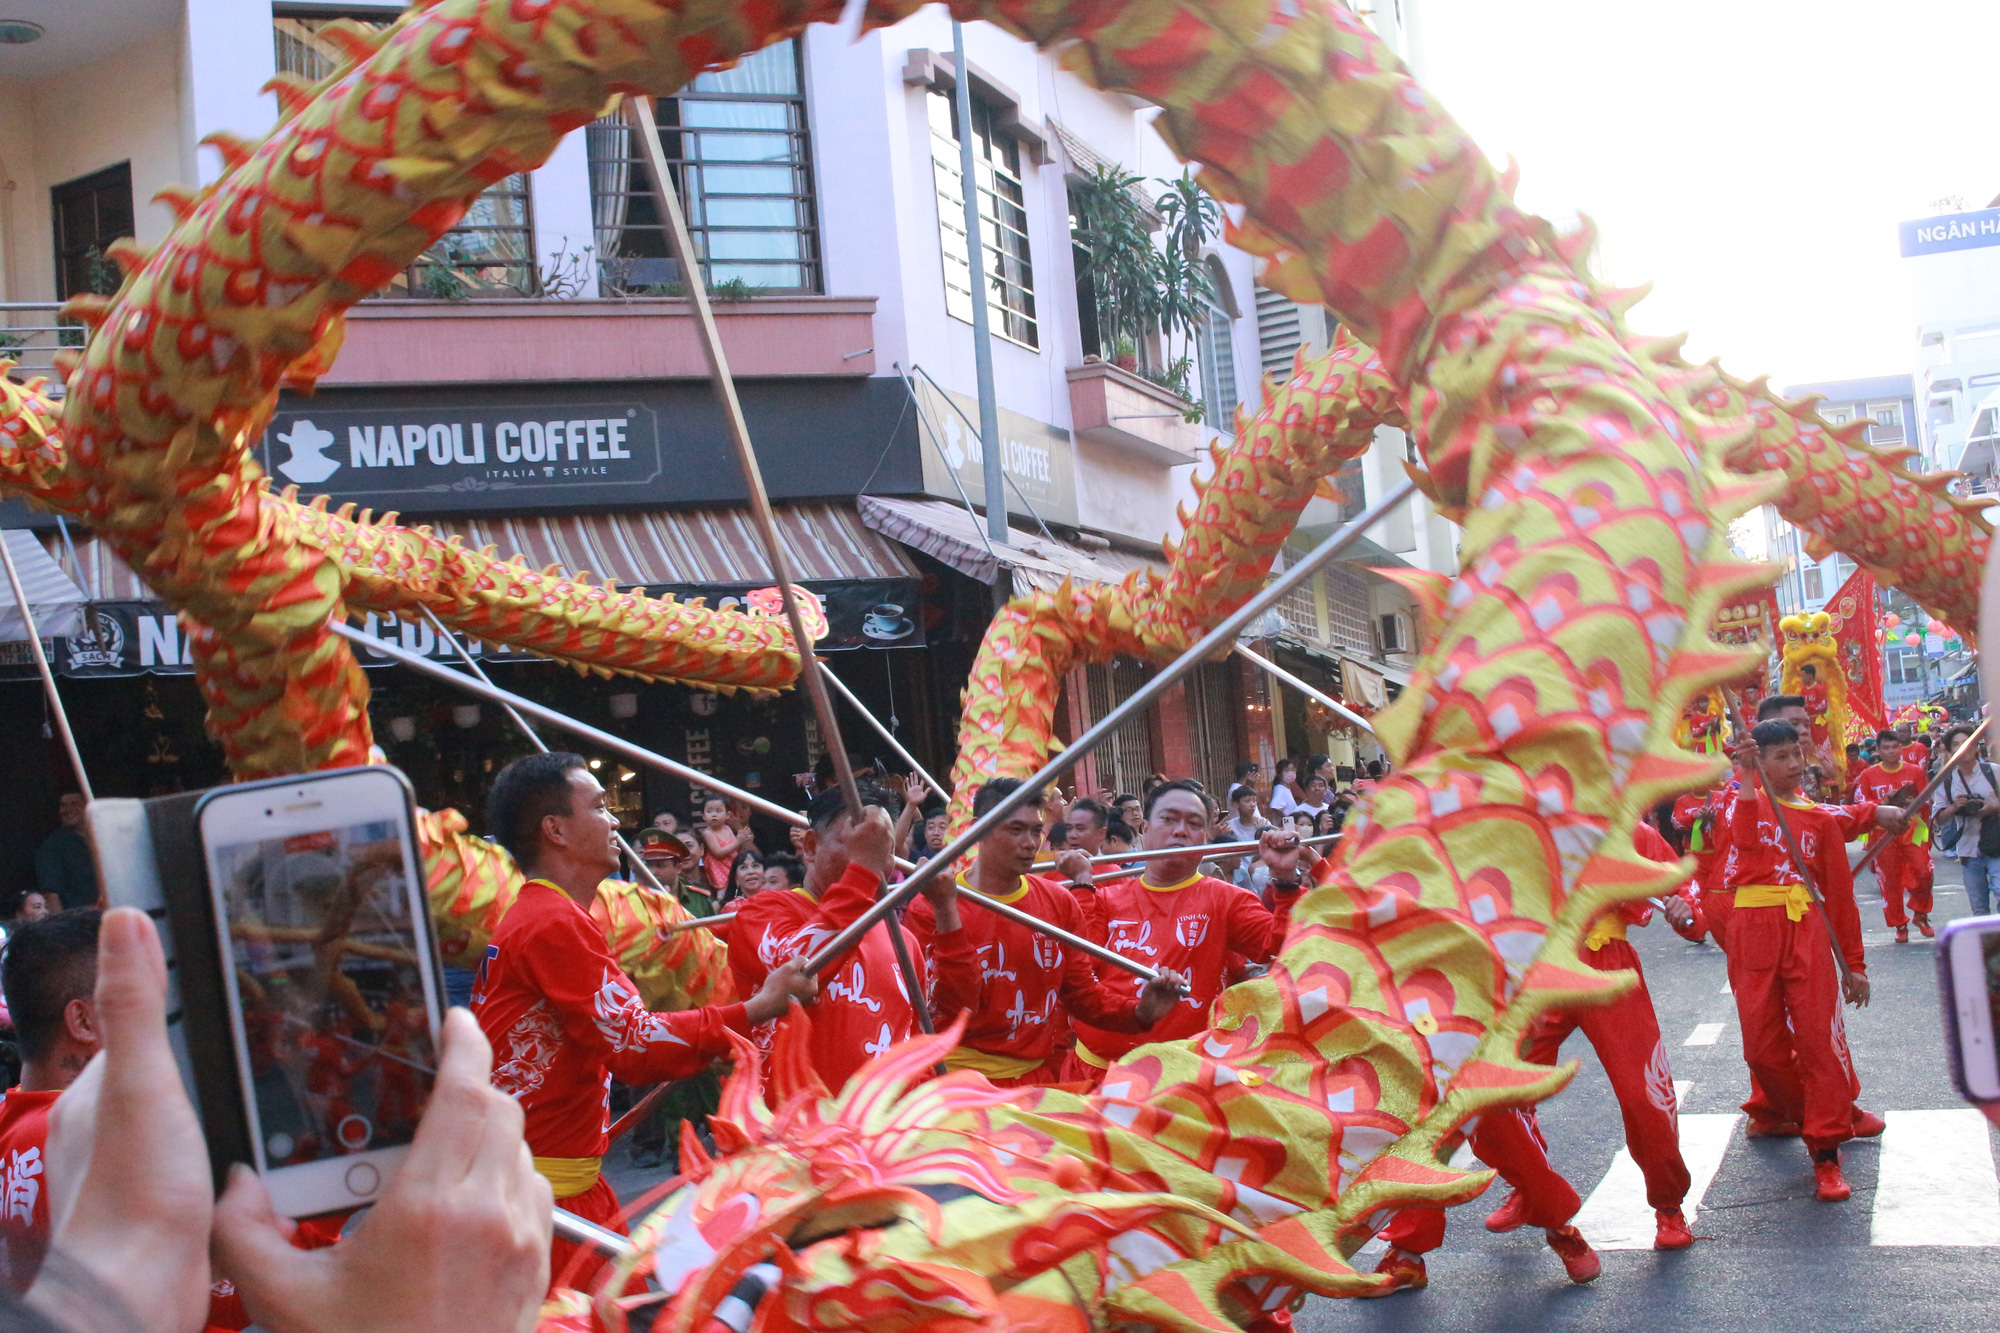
1209	1180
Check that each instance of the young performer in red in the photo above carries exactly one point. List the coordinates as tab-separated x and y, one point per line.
563	1019
1173	916
49	975
1788	986
1903	867
863	1007
1027	981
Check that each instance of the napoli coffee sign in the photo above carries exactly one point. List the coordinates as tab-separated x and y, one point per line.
457	457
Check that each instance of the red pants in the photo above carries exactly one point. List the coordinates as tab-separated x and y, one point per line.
1511	1143
597	1204
1626	1037
1904	870
1794	1039
1759	1107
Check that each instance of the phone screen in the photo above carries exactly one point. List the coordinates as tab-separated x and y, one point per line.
1972	969
327	966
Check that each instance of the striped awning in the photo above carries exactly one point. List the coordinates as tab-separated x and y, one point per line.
946	532
53	597
680	546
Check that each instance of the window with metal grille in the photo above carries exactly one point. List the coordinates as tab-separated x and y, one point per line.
738	148
1124	761
1280	332
491	252
1003	220
1218	371
1300	611
1347	610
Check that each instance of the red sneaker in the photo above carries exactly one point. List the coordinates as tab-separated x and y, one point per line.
1771	1129
1924	925
1672	1230
1867	1124
1902	934
1828	1183
1579	1260
1404	1271
1509	1216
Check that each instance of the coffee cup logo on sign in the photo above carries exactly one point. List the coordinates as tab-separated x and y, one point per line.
886	623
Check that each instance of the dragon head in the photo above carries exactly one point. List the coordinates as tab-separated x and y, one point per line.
888	1207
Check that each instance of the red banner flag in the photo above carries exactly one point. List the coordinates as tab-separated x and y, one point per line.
1853	613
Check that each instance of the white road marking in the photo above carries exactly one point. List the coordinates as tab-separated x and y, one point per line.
1465	1160
1616	1216
1725	987
1682	1087
1936	1185
1704	1034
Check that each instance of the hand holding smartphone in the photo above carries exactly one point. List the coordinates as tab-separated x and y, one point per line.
1968	958
328	984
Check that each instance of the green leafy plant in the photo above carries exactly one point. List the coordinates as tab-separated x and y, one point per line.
1141	288
731	289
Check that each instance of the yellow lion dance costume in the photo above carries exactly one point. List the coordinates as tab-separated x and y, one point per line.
1808	646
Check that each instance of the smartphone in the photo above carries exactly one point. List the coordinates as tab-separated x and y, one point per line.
330	994
1968	960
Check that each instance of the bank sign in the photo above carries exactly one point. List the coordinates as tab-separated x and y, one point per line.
417	459
1952	231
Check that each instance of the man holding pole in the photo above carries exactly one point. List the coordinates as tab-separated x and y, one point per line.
1788	970
863	1007
1028	982
1172	916
562	1017
1903	866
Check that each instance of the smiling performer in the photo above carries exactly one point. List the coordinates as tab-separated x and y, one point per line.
1173	916
1788	985
1029	982
1903	868
562	1017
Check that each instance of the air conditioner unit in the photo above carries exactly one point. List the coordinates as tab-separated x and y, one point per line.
1396	636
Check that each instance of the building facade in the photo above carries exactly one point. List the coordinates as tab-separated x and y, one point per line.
534	380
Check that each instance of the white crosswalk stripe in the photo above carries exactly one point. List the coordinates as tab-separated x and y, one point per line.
1704	1034
1616	1216
1937	1185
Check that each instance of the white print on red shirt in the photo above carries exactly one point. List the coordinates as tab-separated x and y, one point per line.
1122	941
996	968
623	1022
1191	930
24	1185
530	1049
852	985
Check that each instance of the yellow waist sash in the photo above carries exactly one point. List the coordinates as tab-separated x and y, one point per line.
1792	897
569	1176
1091	1058
1604	930
989	1064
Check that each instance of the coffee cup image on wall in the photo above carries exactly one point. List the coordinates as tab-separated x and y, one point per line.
886	623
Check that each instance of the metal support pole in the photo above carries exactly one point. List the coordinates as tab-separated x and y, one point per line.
465	655
639	754
1215	641
581	1231
1258	659
983	335
639	112
48	676
1207	849
887	735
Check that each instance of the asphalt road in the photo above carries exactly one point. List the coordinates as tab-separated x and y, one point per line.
1775	1258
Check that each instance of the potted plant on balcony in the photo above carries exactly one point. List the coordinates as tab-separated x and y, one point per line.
1140	292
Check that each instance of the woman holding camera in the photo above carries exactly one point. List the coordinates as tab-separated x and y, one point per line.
1966	814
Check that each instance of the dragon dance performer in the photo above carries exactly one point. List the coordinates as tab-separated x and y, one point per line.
1171	915
863	1008
1626	1036
1787	988
563	1019
1027	981
1903	867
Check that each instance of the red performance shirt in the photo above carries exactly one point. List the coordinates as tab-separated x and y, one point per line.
1759	856
1191	927
1704	817
564	1020
24	1226
1876	784
1023	975
862	1008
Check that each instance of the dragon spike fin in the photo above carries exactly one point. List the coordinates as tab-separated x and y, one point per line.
127	254
235	150
178	199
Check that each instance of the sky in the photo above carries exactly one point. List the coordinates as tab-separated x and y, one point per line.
1750	159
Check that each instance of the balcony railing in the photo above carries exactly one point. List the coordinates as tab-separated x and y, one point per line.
31	333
